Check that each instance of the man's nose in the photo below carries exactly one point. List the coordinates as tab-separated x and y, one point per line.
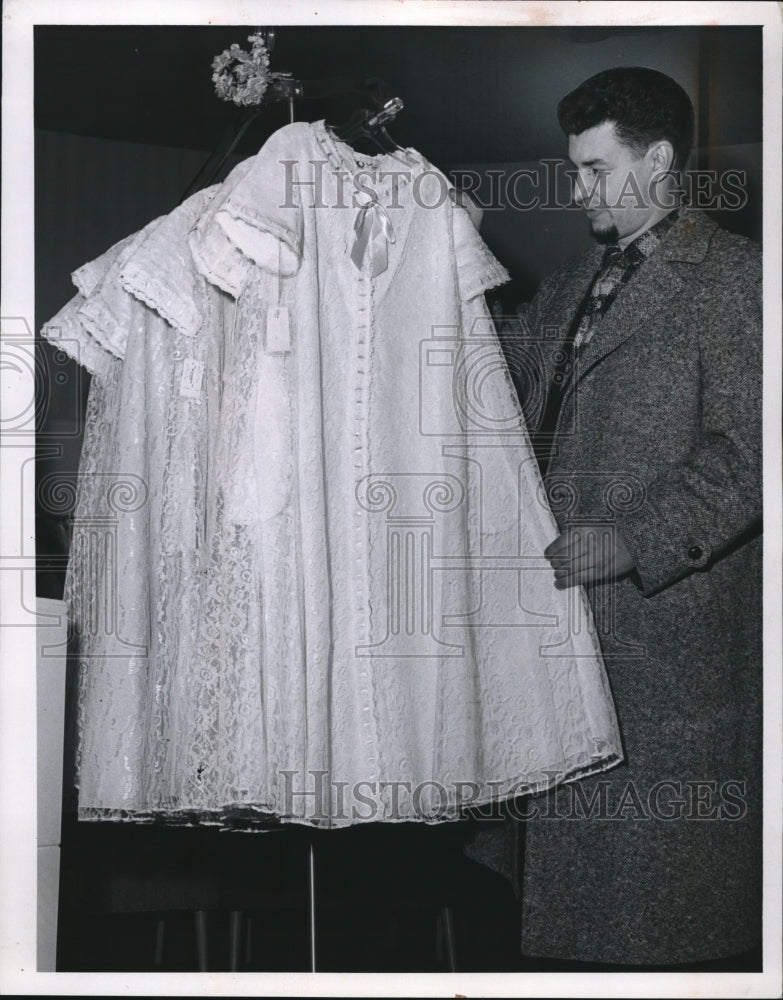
582	193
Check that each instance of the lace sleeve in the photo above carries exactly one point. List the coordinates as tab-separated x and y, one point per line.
263	215
66	332
257	219
151	266
91	328
477	268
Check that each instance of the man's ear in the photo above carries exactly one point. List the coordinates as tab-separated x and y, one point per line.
661	156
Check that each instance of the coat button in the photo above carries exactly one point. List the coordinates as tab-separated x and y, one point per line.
694	552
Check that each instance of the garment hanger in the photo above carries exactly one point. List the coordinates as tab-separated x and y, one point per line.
285	88
366	124
370	123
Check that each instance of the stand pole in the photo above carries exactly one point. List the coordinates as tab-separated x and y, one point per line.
312	907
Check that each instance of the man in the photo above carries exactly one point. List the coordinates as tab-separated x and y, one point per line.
650	443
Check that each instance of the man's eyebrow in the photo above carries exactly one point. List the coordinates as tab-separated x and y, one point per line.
592	163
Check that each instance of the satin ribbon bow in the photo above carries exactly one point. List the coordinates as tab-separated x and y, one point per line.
373	230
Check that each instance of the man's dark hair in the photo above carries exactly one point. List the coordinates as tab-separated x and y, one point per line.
643	104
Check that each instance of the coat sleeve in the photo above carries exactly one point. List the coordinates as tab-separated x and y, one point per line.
709	501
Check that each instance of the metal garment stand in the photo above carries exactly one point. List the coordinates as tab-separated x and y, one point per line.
446	926
207	173
312	909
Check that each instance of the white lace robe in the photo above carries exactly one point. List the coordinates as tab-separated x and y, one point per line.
308	582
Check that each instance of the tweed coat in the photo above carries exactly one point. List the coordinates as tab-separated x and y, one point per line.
659	860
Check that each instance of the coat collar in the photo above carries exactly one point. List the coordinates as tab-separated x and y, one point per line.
659	280
689	238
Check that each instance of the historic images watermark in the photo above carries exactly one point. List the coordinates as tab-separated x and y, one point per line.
326	798
549	185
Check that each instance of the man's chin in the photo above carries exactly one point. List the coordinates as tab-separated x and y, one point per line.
604	234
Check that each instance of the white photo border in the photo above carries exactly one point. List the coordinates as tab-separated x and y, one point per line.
17	645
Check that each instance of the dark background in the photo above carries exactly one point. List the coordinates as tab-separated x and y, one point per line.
125	116
124	119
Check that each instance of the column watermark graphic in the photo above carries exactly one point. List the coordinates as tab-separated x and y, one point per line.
30	371
409	515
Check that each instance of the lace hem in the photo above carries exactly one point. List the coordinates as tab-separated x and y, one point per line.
436	804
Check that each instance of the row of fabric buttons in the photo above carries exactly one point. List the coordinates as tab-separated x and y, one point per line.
361	459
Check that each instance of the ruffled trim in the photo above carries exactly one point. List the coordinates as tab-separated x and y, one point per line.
215	256
106	317
91	328
478	269
217	259
66	332
152	266
160	274
224	238
267	243
105	314
251	224
90	276
180	312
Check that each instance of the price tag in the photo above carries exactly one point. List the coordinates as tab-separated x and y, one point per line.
192	377
278	330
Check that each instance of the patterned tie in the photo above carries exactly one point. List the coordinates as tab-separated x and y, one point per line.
617	268
600	295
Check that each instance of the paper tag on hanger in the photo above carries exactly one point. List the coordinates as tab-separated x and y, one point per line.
192	377
278	330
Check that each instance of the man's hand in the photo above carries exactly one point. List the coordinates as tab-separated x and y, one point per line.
589	553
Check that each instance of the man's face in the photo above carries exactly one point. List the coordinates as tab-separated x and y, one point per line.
613	183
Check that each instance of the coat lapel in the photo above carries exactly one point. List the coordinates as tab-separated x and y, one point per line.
561	309
659	280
